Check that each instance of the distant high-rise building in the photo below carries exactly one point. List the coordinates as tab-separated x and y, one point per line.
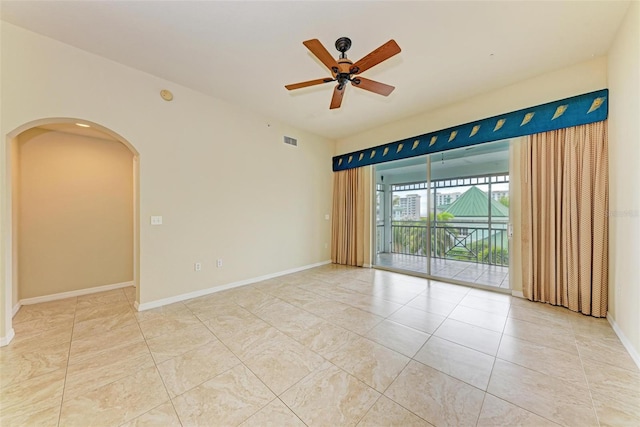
408	208
446	198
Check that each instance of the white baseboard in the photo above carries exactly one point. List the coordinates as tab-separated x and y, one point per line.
366	266
518	294
6	340
625	341
203	292
15	309
70	294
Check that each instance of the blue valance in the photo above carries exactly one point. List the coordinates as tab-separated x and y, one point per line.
578	110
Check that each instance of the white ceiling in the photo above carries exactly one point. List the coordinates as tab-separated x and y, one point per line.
245	52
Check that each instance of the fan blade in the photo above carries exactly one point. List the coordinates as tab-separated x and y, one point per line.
322	54
308	83
382	53
372	86
336	99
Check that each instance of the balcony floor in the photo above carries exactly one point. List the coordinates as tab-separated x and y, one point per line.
469	272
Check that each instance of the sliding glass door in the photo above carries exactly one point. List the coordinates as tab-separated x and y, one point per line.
446	215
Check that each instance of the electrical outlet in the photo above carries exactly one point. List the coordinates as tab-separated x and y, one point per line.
219	262
197	266
326	245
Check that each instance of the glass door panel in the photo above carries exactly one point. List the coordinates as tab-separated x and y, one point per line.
446	215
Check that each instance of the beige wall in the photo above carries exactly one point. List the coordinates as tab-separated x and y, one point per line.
15	214
220	175
624	174
75	215
6	284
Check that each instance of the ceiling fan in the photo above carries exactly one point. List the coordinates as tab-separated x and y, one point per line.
344	71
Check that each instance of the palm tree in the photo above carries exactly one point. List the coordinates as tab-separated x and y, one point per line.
442	235
410	237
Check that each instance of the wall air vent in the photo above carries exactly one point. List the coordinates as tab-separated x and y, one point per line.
290	141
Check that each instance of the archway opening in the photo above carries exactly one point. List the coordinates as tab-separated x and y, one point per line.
72	200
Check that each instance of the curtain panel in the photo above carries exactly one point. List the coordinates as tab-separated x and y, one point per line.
565	229
347	233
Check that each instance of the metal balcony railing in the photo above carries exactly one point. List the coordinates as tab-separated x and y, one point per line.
379	238
463	240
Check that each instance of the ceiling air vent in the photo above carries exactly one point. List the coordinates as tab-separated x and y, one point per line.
290	141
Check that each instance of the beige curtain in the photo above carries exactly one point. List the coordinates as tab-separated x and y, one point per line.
348	231
564	218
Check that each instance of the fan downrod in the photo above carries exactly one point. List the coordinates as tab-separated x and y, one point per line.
343	44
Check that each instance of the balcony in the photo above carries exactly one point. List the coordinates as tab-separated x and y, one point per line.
464	250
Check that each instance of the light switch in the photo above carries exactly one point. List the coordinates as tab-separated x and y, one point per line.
326	216
156	220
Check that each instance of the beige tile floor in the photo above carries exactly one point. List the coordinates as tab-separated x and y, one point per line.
329	346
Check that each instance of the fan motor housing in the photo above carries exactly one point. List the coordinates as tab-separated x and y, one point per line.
344	65
343	75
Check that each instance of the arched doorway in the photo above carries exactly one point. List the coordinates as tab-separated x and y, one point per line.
78	130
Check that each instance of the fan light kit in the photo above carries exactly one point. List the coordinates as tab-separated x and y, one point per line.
344	71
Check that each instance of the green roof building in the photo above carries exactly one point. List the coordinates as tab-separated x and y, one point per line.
473	203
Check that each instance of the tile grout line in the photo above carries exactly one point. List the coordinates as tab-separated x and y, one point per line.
311	350
322	356
412	359
227	370
497	397
356	333
155	364
69	354
66	371
292	411
73	324
584	372
369	409
398	403
495	359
